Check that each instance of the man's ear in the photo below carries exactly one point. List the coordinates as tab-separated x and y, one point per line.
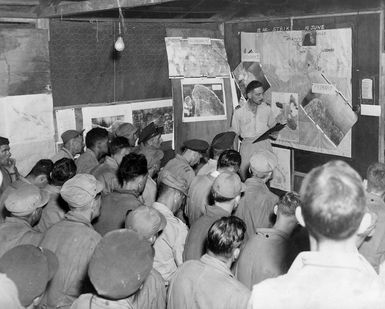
275	209
236	253
298	215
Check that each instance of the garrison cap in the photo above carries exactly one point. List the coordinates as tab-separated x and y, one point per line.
70	134
30	268
263	161
223	141
197	145
148	132
4	141
80	190
121	262
174	182
146	221
25	200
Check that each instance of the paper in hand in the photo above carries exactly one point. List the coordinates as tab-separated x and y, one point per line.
278	127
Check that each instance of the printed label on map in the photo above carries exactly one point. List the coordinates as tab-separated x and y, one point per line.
251	57
323	88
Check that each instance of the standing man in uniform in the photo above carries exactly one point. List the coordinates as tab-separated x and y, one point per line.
72	145
181	165
8	168
250	121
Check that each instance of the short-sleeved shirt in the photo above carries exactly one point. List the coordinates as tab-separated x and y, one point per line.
256	207
86	162
266	255
322	280
62	153
180	167
114	208
206	284
250	125
15	232
73	240
373	249
196	239
106	173
170	244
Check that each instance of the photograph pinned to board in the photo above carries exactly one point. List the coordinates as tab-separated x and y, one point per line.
196	57
203	99
161	112
105	116
246	72
331	114
284	105
282	174
65	120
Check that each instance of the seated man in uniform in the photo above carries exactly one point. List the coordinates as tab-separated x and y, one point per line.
72	145
333	274
208	283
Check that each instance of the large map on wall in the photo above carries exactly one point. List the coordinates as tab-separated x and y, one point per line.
298	65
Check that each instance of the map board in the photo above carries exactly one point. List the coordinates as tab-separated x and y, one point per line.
292	62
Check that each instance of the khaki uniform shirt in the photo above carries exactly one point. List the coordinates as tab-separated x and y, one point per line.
209	167
73	240
86	162
62	153
149	193
15	232
106	173
181	168
206	284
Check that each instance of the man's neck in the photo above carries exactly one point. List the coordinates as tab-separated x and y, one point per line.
225	206
167	201
226	261
333	246
286	225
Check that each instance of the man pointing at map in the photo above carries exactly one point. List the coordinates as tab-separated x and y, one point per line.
251	121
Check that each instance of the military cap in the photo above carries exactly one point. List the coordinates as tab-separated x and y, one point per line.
223	141
196	145
25	200
174	182
263	161
146	221
70	134
80	190
148	132
228	185
4	141
121	262
30	268
125	130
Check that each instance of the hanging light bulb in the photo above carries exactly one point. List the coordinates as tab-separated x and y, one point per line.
119	44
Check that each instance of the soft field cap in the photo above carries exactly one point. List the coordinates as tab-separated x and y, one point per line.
120	263
25	200
125	130
263	161
69	134
174	182
30	268
223	141
146	221
81	189
228	185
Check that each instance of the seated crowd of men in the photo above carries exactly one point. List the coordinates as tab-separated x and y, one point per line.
110	228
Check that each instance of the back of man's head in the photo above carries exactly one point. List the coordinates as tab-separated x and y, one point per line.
117	144
226	235
95	135
333	201
63	170
132	166
376	177
42	167
229	159
288	203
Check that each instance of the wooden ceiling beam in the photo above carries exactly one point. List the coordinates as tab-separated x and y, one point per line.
89	6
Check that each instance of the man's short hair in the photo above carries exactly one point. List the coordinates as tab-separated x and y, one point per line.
63	170
375	176
132	166
95	135
254	84
42	167
229	158
288	203
333	201
225	235
118	143
4	141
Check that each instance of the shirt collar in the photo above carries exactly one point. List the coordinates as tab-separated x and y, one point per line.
273	231
331	260
163	209
91	153
217	264
182	158
75	217
17	220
